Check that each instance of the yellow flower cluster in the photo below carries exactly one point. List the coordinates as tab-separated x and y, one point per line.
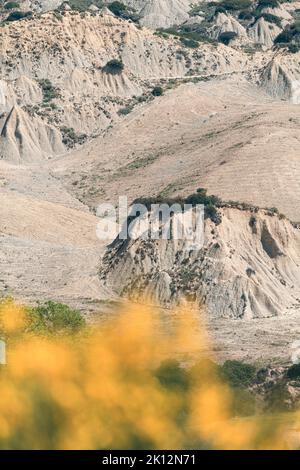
98	389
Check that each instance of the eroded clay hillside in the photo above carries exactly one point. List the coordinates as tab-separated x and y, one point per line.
248	267
66	75
151	98
58	90
226	135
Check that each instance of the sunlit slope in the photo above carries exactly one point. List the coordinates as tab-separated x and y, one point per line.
226	135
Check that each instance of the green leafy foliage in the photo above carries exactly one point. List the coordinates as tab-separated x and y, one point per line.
294	48
189	43
293	372
71	138
52	317
123	11
18	15
49	91
200	197
157	91
83	5
114	67
291	34
270	18
267	4
11	5
236	4
246	15
46	318
227	36
237	373
175	377
190	36
171	375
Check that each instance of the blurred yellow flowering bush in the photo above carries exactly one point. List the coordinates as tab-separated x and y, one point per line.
118	385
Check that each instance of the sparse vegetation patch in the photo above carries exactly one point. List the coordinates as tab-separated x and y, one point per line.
114	67
49	91
211	203
83	5
18	15
123	11
227	36
71	138
11	5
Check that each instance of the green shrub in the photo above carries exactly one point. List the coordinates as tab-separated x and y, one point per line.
200	197
236	4
83	5
157	91
49	91
295	28
245	15
114	67
47	318
124	111
293	372
122	11
189	43
189	35
270	18
294	48
117	8
290	34
237	373
267	4
284	37
70	138
18	15
52	317
11	5
227	36
220	10
172	376
211	212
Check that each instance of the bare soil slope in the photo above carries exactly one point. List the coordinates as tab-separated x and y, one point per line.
74	134
226	135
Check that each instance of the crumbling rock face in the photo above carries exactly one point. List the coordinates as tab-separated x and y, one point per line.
22	139
161	13
276	389
238	273
262	32
269	243
277	80
53	69
68	51
281	77
226	23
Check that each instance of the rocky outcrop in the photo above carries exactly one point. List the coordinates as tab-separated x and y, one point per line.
280	12
161	13
227	23
262	32
67	54
248	267
281	78
25	140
